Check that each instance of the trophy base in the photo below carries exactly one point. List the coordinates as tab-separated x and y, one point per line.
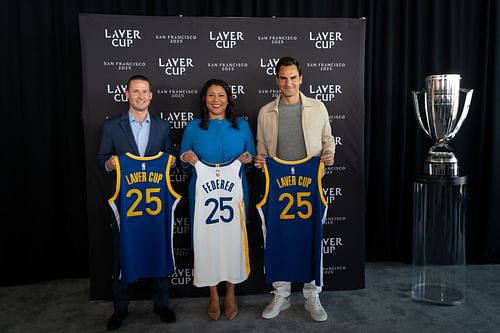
441	161
441	169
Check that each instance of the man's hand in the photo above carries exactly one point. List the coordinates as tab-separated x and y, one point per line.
327	158
110	164
259	161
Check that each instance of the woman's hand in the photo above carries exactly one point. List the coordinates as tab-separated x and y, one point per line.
189	157
245	158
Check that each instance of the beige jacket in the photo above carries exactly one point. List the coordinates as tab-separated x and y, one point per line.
315	124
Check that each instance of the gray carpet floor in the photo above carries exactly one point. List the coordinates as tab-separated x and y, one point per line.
385	305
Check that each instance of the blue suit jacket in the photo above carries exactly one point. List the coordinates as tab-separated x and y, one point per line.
117	138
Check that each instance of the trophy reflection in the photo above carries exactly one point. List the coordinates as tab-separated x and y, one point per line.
441	118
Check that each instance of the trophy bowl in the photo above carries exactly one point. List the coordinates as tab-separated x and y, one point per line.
438	114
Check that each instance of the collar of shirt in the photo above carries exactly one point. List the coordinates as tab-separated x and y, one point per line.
140	132
133	120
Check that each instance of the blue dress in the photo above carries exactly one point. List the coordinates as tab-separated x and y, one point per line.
218	144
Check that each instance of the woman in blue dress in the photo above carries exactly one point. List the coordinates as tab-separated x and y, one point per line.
217	136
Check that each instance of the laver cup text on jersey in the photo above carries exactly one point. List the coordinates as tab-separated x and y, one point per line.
293	211
143	204
291	128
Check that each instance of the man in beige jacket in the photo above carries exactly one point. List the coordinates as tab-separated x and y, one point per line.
293	127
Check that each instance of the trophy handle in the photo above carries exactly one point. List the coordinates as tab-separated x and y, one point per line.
416	106
465	110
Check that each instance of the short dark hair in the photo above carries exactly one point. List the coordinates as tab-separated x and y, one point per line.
287	61
230	112
138	77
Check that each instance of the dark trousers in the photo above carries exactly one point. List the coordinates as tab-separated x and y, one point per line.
159	292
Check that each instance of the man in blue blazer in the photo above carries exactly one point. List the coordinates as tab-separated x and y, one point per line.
140	133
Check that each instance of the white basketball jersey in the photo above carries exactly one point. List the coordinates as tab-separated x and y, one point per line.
219	229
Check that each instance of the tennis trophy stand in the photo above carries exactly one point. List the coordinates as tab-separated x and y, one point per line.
439	196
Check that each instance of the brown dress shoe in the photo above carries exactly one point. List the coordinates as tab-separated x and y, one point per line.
231	308
213	310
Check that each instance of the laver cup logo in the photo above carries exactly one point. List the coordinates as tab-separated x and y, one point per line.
181	225
237	90
117	91
177	175
330	244
182	277
175	66
325	92
331	193
225	39
269	65
122	37
179	119
325	39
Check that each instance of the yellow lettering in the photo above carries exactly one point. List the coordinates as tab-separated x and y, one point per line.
286	181
142	176
155	177
135	177
304	181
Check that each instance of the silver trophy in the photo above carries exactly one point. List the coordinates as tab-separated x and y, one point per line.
440	119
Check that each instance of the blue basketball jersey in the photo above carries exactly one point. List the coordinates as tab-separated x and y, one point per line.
143	204
293	211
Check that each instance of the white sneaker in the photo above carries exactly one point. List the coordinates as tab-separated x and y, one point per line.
274	308
313	305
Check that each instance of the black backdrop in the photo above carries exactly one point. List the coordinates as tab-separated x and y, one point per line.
44	221
242	51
